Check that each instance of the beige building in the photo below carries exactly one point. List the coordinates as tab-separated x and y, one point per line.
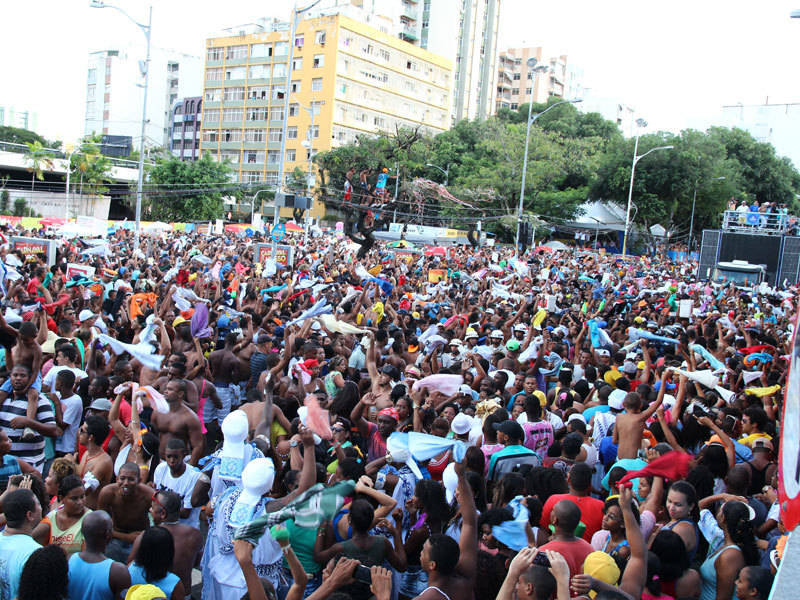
514	78
352	78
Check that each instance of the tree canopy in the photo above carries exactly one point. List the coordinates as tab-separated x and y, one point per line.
188	190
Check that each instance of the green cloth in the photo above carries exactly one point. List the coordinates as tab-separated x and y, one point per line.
302	540
311	508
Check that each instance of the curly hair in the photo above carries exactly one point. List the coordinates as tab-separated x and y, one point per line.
62	467
45	575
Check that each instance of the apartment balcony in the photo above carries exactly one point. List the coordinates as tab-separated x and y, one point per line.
189	117
409	34
409	11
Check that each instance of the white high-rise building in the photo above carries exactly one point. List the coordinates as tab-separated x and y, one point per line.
776	124
462	31
114	89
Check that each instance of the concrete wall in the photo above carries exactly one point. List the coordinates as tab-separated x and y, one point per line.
49	204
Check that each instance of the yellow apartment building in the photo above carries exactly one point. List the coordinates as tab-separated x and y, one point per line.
355	80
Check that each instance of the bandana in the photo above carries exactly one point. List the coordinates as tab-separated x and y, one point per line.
390	412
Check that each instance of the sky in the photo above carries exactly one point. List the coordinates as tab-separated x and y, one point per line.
676	63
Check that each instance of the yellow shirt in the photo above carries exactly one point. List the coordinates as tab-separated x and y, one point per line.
749	439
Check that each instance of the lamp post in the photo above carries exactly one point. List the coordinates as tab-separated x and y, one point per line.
253	204
636	158
446	171
531	119
146	29
691	220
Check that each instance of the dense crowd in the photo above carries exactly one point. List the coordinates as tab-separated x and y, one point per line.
186	421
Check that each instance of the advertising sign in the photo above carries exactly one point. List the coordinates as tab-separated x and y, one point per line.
407	255
436	275
32	247
284	255
789	460
82	270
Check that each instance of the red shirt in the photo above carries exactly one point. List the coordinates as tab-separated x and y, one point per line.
591	512
574	553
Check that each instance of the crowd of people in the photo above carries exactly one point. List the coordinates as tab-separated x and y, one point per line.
191	418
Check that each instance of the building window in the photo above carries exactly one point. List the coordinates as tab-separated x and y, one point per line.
90	92
516	76
257	114
291	155
527	91
231	135
384	54
297	63
293	110
291	133
275	134
276	113
214	74
255	135
530	75
316	84
252	177
211	135
232	115
233	94
235	73
515	92
279	70
260	50
91	76
215	54
211	115
173	67
281	48
252	157
299	40
278	92
319	61
314	131
514	106
316	107
319	37
273	157
231	156
257	92
213	95
378	121
295	87
236	52
90	109
259	72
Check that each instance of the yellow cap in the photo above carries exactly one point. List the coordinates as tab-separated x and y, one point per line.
601	566
144	592
542	398
178	321
640	365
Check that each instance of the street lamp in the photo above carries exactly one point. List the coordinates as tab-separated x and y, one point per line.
146	29
253	204
636	158
446	171
531	62
691	221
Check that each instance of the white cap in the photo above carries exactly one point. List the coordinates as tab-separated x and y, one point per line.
456	342
520	327
465	389
85	315
461	424
616	398
496	334
576	417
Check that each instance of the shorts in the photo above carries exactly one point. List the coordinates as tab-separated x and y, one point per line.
118	550
413	582
37	385
212	413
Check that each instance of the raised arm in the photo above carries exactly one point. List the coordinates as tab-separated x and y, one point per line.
468	544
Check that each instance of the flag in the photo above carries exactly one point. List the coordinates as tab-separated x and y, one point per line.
310	509
672	466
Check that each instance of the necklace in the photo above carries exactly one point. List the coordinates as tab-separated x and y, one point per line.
90	456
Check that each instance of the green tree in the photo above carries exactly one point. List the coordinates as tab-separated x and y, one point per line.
90	170
5	198
189	191
16	135
20	207
40	159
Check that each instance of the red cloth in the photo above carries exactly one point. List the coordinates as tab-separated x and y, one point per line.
673	466
51	308
754	349
591	512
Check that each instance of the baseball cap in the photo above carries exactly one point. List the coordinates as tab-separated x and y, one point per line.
100	404
465	389
576	417
616	398
176	322
391	371
144	591
461	424
601	566
496	334
511	428
413	372
85	315
512	345
520	327
629	368
762	444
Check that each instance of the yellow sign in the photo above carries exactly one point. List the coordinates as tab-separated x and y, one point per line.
436	275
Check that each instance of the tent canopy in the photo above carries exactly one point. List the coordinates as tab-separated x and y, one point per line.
598	215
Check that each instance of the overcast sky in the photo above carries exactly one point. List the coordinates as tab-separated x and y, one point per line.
676	63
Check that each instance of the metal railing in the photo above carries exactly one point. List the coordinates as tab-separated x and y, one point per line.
771	223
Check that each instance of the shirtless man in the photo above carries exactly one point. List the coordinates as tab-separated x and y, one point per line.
96	467
164	510
128	502
630	424
381	388
450	566
225	372
176	371
180	422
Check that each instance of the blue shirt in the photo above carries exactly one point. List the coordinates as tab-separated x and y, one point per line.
14	553
166	585
515	449
590	412
382	179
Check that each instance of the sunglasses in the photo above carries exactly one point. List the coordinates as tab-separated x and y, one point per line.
338	429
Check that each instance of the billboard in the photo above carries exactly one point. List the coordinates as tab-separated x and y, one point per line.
30	248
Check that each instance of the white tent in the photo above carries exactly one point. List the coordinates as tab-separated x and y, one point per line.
598	215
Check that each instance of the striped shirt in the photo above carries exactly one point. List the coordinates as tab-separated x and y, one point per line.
31	452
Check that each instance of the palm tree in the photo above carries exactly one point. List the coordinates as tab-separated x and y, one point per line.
40	159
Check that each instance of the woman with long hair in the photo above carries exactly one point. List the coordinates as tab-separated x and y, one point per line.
62	526
732	546
683	515
153	563
45	575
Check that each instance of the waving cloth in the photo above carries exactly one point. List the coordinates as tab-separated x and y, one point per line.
143	351
634	333
317	419
199	323
446	384
333	325
512	533
761	392
599	338
705	377
321	307
672	466
424	446
750	376
156	401
310	509
713	361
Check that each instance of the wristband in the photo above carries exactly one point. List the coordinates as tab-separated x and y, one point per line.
286	549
